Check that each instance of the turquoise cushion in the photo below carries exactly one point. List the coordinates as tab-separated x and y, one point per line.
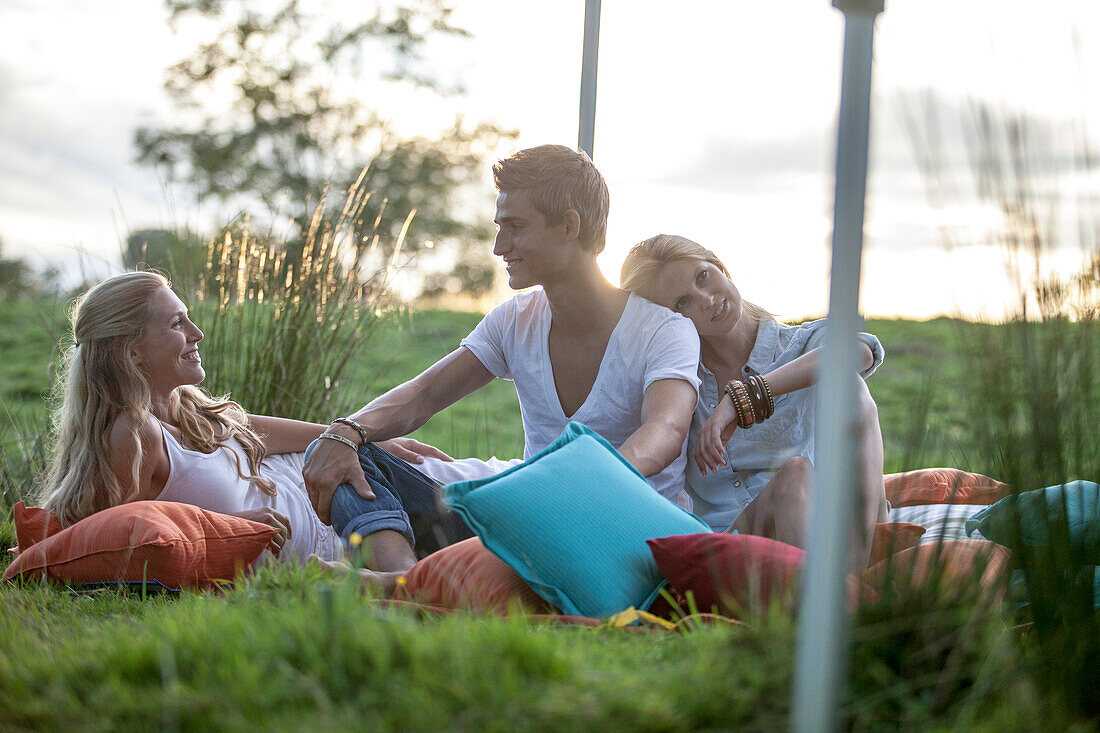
573	522
1030	514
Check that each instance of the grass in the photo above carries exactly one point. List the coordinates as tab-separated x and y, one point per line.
923	370
289	647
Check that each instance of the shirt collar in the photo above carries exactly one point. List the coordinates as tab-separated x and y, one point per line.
764	350
766	347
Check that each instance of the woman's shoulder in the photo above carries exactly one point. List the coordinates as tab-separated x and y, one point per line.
146	427
124	437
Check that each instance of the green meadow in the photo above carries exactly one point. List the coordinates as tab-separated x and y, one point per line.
922	373
290	647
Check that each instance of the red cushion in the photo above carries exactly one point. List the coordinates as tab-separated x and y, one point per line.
468	576
179	545
736	574
891	537
943	486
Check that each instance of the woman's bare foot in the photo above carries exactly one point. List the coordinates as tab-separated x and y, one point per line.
377	582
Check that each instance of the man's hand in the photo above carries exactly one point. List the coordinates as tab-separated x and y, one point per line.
330	464
411	450
270	517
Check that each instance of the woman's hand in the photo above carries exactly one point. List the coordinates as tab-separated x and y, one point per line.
710	444
411	450
270	517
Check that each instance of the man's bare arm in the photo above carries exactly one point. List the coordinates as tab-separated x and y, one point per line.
408	406
400	411
666	418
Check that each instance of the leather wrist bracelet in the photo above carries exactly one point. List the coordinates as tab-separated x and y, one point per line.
353	425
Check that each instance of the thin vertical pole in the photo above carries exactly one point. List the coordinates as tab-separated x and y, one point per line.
821	660
589	56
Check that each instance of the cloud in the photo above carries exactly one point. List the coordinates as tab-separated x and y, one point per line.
741	166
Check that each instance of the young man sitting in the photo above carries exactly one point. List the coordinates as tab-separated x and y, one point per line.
578	349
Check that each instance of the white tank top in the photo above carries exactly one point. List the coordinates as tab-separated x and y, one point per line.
210	481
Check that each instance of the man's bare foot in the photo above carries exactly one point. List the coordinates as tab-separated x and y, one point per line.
378	582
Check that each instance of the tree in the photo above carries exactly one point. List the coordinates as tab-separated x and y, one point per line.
182	255
268	116
15	275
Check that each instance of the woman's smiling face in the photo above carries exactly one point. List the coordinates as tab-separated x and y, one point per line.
701	291
168	353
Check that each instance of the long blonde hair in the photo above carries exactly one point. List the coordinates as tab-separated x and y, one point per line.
99	383
644	262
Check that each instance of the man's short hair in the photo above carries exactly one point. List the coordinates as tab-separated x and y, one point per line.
558	179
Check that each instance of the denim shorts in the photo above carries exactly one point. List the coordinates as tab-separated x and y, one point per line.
406	501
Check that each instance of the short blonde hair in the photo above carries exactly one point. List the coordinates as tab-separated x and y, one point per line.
558	179
644	262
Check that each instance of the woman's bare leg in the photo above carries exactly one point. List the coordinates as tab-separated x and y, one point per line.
871	508
779	510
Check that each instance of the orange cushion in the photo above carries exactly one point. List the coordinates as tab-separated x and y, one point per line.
943	486
736	574
466	575
955	566
33	524
891	537
179	545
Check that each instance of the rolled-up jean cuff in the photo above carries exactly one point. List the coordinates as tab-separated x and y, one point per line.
406	501
366	524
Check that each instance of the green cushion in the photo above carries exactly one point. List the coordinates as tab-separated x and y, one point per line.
1027	518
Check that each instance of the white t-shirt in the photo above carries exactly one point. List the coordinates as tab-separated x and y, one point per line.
210	481
649	343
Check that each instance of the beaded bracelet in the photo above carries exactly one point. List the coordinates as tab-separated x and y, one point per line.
340	439
354	425
741	404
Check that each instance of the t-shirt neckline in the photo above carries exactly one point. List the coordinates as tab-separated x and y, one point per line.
552	386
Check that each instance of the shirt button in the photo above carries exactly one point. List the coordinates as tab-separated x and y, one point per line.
736	483
711	405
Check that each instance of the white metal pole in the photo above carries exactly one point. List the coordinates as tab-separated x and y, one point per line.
589	56
821	660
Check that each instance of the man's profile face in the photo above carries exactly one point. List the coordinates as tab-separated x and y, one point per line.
531	250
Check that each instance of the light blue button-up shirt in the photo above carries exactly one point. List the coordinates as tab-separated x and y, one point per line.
754	455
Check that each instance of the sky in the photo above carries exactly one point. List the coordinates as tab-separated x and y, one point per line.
715	120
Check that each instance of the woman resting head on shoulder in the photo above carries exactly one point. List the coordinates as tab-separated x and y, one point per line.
134	424
752	436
